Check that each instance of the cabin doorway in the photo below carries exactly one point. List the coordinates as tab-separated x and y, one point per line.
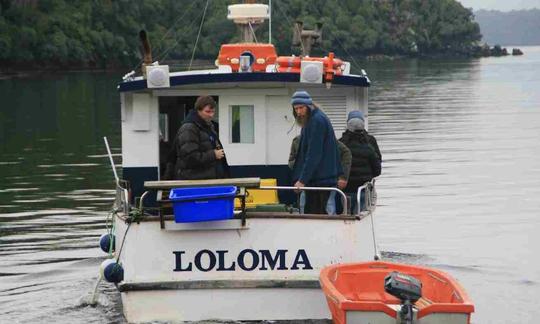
172	112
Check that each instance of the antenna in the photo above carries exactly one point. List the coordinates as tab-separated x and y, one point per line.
306	38
269	21
248	16
146	49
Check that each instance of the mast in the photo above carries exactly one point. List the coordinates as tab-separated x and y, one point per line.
269	21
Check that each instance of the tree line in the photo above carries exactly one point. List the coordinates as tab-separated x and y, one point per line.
104	33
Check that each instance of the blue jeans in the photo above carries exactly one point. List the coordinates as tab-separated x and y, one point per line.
354	206
331	204
302	202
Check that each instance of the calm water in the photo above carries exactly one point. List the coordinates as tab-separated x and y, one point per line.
460	186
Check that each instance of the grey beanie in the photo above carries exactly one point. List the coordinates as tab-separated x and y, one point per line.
301	97
355	124
355	121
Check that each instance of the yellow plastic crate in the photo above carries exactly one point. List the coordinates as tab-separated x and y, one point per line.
255	197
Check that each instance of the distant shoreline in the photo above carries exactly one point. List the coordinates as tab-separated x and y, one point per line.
516	26
7	72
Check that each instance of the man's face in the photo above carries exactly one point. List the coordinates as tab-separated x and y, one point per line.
207	113
301	111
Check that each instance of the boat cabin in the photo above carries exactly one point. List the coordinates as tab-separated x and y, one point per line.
256	124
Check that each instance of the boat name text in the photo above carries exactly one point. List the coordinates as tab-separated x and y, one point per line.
247	260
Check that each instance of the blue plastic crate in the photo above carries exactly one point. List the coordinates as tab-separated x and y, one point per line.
203	203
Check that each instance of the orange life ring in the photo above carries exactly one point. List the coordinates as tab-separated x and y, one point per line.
292	64
288	69
288	61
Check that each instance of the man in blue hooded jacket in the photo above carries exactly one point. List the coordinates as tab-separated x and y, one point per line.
317	162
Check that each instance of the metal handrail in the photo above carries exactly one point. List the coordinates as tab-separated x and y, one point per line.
142	200
368	198
369	207
343	196
359	196
372	203
124	197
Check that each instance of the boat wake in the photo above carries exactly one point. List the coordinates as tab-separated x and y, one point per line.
89	299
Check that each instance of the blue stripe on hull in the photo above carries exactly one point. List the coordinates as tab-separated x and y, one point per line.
136	177
179	80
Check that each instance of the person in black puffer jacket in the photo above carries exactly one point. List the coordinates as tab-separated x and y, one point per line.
366	156
199	153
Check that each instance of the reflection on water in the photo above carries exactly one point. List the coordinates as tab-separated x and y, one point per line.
461	178
55	191
459	190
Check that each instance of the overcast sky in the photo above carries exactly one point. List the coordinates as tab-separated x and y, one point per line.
502	5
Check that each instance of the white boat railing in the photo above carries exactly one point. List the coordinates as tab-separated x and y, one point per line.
343	196
369	197
122	196
122	199
369	189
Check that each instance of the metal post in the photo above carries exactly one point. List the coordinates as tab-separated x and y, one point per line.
368	185
269	21
110	158
359	196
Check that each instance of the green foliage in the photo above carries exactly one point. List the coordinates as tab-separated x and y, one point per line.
101	33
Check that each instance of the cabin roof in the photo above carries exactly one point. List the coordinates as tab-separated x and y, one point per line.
199	78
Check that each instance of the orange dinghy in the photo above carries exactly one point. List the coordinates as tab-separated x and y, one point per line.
359	293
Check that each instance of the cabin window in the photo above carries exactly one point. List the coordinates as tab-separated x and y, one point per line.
242	124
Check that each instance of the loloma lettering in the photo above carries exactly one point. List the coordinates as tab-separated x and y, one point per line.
247	260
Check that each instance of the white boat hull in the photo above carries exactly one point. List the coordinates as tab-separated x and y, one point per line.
224	304
267	269
358	317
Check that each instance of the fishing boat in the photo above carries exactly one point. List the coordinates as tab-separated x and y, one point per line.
262	264
389	293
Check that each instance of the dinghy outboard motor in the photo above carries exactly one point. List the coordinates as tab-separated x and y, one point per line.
408	289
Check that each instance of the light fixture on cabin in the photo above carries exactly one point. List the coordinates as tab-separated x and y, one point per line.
311	72
346	68
157	76
245	63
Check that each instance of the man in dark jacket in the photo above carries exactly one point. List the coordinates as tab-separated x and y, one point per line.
199	153
317	162
366	156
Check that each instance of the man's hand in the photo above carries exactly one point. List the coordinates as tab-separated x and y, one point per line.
219	154
341	183
299	184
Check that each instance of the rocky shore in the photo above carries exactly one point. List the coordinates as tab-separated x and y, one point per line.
497	50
